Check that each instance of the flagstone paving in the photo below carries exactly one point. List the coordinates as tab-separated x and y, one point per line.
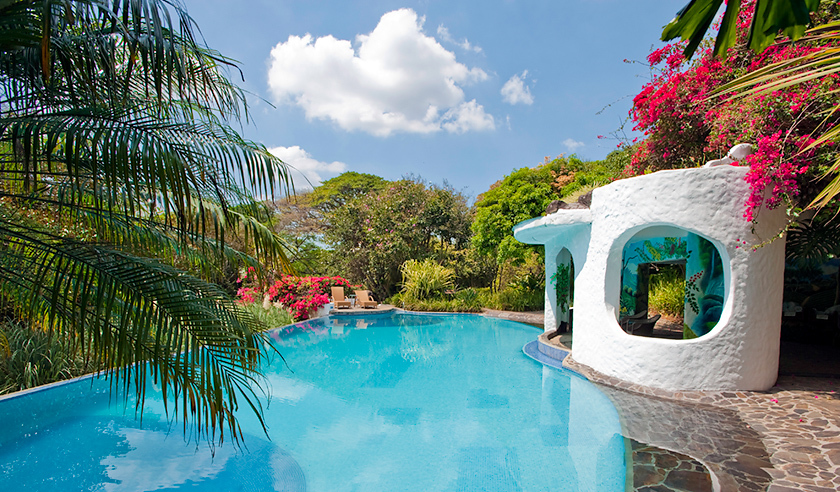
780	440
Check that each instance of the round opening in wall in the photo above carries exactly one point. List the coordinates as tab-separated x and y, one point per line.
672	284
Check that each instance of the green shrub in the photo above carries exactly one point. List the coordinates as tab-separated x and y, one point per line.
667	292
32	357
425	279
273	317
464	301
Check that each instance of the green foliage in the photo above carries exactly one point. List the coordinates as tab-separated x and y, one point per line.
667	291
272	317
526	293
562	283
586	176
34	357
472	269
116	145
693	21
373	235
425	279
464	301
522	195
335	192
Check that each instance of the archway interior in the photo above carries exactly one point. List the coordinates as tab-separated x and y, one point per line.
672	284
564	288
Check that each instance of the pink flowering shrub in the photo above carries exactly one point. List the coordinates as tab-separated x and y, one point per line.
685	127
300	295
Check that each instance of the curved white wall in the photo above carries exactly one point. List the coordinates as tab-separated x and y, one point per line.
742	351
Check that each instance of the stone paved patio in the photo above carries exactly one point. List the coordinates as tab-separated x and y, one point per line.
784	439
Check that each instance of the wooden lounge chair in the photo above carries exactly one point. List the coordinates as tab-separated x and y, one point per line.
364	299
338	298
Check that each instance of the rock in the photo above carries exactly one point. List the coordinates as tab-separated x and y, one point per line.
585	199
553	207
719	162
740	151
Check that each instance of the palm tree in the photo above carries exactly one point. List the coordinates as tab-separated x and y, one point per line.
771	16
118	161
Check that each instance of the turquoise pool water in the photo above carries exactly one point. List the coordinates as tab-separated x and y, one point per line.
380	403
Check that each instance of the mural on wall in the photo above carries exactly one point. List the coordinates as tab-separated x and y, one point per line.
635	273
704	287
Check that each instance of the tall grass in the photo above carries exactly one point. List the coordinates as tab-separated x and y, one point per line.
32	357
667	291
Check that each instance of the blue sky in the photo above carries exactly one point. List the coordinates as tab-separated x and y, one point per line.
457	91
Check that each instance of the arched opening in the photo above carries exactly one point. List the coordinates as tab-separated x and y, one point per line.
672	284
563	281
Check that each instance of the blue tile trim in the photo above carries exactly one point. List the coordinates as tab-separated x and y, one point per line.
535	351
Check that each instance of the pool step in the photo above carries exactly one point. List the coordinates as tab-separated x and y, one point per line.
545	354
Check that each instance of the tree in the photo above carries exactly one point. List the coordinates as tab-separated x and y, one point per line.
116	147
522	195
337	191
374	234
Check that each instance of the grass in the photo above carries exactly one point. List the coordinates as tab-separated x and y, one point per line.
667	291
32	357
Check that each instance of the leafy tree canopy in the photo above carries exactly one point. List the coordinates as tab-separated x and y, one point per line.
335	192
374	234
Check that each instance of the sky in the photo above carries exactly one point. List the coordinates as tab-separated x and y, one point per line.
457	92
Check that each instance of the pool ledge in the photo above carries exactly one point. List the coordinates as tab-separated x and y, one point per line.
545	354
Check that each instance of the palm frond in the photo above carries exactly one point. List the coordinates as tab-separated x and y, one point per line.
771	17
141	319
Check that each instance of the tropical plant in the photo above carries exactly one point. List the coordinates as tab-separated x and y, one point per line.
32	357
303	295
373	235
562	286
425	279
687	126
115	146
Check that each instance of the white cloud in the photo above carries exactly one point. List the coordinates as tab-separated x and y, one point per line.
444	34
467	116
305	165
396	80
515	91
572	144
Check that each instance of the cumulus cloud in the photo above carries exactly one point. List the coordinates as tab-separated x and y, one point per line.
515	91
572	144
397	79
305	165
444	34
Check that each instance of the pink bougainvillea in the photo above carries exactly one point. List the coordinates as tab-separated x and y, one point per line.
686	125
300	295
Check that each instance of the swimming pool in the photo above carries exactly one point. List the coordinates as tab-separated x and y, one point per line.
397	402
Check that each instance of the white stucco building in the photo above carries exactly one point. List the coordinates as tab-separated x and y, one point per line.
740	350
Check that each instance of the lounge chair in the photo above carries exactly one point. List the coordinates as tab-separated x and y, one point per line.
641	326
338	298
364	299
